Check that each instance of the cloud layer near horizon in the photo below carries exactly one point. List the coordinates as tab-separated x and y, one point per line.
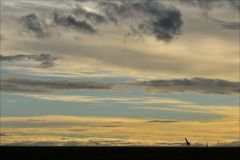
83	131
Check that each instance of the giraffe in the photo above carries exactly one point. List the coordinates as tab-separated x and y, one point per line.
187	142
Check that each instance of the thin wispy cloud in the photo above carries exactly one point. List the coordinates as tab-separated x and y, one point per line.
104	99
45	60
198	85
201	85
210	4
30	85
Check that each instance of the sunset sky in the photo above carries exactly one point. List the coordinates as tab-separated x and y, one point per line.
120	72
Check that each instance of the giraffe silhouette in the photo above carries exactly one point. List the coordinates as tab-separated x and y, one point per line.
187	142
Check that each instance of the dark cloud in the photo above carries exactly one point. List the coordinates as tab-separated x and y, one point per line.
90	16
153	17
30	143
33	24
63	142
147	17
161	121
30	85
200	85
46	60
164	28
70	22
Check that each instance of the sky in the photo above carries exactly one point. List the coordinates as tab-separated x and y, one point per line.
119	72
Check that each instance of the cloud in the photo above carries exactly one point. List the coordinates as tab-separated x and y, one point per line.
38	26
35	120
153	17
225	24
80	142
132	35
77	119
110	142
106	99
30	85
71	99
70	22
91	131
148	17
206	5
29	143
162	121
164	28
230	25
209	4
111	126
33	24
46	60
200	85
90	16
